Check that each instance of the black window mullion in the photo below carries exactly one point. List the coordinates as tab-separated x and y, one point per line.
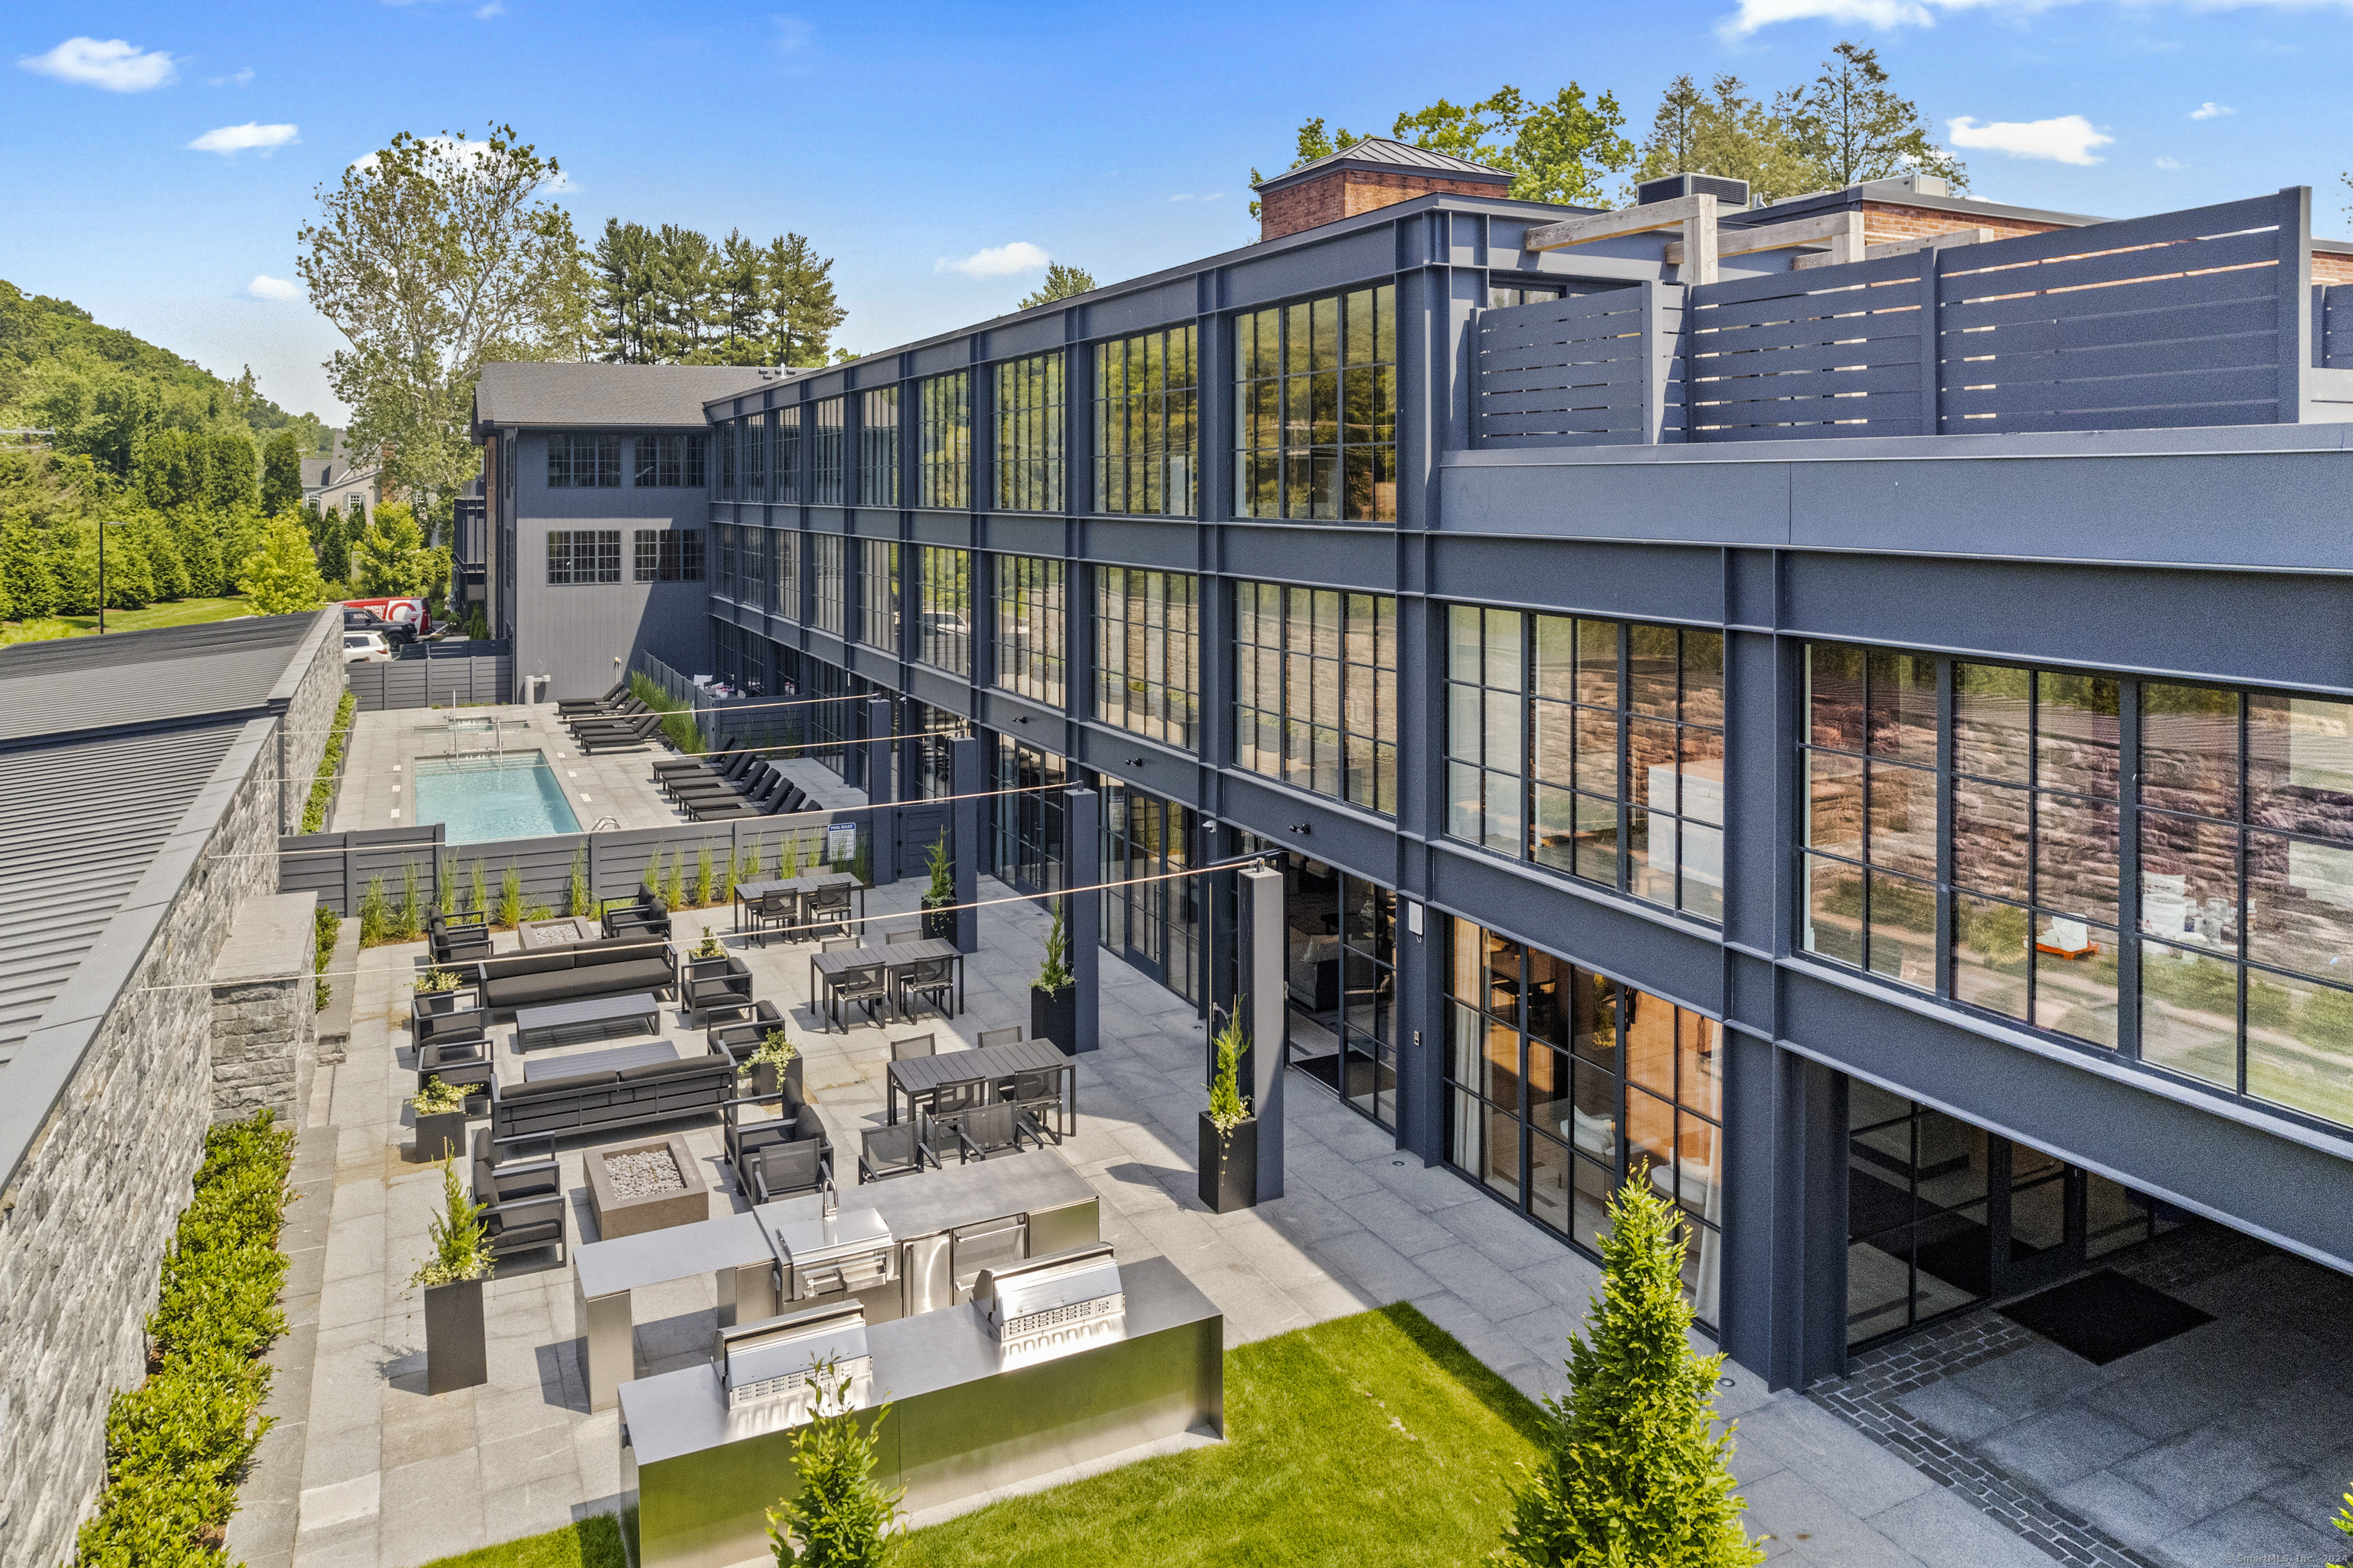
2128	871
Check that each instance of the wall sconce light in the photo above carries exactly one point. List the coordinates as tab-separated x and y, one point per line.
1301	829
1135	762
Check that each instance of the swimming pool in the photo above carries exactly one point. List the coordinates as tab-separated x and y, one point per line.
482	797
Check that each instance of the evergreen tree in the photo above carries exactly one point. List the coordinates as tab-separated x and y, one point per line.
840	1515
28	584
1853	128
167	573
683	263
231	472
1061	283
282	474
314	523
130	577
334	548
739	301
624	261
72	547
196	535
282	577
1633	1475
802	315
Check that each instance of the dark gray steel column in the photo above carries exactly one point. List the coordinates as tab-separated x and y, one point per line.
964	838
1783	1275
1082	912
882	816
1218	948
1261	902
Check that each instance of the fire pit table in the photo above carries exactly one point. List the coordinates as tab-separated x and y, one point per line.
557	932
650	1186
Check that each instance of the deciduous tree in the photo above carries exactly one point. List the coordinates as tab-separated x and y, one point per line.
1061	283
389	557
282	577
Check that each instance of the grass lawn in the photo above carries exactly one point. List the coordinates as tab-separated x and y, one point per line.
1361	1443
593	1542
174	612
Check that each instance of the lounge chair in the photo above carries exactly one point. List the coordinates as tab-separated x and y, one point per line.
619	740
761	802
630	709
686	767
753	775
571	706
728	775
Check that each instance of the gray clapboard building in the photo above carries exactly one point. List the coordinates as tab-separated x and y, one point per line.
1847	706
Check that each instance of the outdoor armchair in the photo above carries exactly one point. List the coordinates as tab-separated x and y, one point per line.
455	1059
747	1142
992	1129
739	1040
454	941
648	916
887	1151
715	985
787	1170
521	1190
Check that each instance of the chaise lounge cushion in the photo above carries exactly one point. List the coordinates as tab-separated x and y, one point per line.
550	1089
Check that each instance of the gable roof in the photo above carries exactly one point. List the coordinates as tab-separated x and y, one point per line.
572	393
1378	153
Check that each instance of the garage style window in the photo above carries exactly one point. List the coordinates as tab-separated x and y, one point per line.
1316	690
878	446
824	451
1030	627
944	425
788	455
1030	434
1147	653
878	596
576	555
669	555
831	608
943	601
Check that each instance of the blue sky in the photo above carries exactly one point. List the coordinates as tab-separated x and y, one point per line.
1118	137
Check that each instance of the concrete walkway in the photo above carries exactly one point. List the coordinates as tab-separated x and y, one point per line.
379	1476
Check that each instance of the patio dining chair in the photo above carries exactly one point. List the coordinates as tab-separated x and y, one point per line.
840	945
1036	1101
774	911
887	1151
933	978
787	1169
912	934
992	1129
913	1045
1000	1037
862	983
827	906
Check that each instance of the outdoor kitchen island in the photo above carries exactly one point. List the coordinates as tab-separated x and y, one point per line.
1063	1361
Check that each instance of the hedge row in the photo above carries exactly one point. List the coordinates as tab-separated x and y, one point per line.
178	1446
322	788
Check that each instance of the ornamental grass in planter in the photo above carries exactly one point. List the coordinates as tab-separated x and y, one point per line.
455	1355
440	1120
1054	994
1228	1131
939	899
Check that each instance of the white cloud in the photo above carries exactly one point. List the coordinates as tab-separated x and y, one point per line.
265	287
484	12
997	261
1213	196
1752	14
234	78
2066	139
230	139
2168	162
2209	109
109	63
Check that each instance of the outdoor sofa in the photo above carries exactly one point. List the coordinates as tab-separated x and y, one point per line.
607	1102
607	965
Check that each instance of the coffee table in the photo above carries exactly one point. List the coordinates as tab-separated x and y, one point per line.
593	1018
555	933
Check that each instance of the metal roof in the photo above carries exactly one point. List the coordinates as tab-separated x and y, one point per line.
73	685
1379	152
548	393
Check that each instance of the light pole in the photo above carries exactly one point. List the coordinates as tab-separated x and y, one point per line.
102	527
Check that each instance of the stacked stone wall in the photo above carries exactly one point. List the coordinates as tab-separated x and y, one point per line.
309	718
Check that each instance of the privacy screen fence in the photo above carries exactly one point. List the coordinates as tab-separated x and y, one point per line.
435	675
2202	317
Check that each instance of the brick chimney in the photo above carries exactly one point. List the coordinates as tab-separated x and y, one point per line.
1372	174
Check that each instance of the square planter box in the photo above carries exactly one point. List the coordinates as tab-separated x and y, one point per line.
1228	1166
455	1356
1054	1016
441	1134
619	1213
939	928
766	1080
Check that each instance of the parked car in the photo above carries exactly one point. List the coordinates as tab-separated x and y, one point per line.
365	646
395	634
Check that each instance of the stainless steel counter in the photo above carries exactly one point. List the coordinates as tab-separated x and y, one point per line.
966	1418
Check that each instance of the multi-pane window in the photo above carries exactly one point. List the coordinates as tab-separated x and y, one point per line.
1147	653
878	593
878	446
669	463
756	458
2158	868
1315	409
726	560
944	431
1316	690
667	554
824	451
1560	1084
1592	747
788	547
1030	627
944	605
788	454
1146	399
730	443
1030	434
583	462
830	607
576	555
1340	959
1029	816
752	567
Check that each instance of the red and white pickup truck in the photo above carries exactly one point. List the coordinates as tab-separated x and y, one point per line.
408	612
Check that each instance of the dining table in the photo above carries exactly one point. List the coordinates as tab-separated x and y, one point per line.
896	959
750	893
918	1078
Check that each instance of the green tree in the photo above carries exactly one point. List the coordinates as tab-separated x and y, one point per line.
28	586
685	263
130	577
1632	1473
282	474
433	257
803	314
334	554
624	267
282	577
841	1517
1555	152
390	557
99	415
1726	131
739	299
159	542
232	471
1061	283
196	535
1851	127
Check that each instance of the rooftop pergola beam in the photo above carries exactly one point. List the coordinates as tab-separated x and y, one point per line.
1695	215
1842	231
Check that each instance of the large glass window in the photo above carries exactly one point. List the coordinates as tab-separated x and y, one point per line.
667	555
787	543
1030	434
1560	1084
824	451
1340	968
829	605
878	446
1592	747
729	459
576	555
944	462
1030	627
726	560
1315	409
788	454
1029	816
583	462
1148	657
1154	922
756	458
1316	690
752	567
944	603
1146	397
669	463
878	593
931	731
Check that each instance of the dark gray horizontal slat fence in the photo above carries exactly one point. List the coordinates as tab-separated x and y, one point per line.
338	866
431	683
1590	370
2332	325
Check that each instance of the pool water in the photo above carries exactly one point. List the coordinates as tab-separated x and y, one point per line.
482	797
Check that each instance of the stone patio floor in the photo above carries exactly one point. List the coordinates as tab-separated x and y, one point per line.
364	1471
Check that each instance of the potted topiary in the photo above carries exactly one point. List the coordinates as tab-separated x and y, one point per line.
1228	1131
939	899
452	1278
707	956
440	1120
1053	997
775	1064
